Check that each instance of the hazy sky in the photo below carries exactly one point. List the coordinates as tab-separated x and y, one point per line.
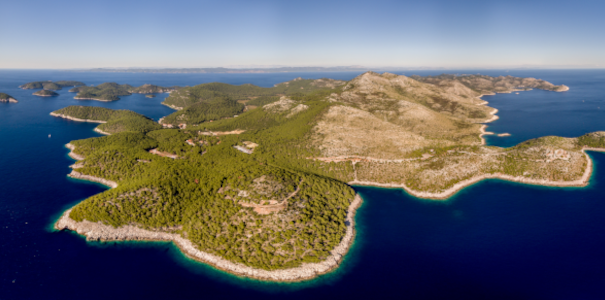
445	33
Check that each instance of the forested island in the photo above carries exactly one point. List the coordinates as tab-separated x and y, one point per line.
51	86
6	98
257	180
45	93
111	91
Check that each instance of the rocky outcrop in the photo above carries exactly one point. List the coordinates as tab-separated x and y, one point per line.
101	232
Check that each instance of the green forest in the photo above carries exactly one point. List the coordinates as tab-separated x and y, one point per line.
199	195
213	101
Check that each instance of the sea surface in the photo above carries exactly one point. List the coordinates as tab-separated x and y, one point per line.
493	240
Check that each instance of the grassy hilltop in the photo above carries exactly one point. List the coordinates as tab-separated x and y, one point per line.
285	203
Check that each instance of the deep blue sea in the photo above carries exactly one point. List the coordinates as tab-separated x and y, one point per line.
493	240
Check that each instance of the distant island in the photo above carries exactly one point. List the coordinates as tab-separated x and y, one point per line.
110	91
50	86
150	96
231	70
6	98
45	93
257	181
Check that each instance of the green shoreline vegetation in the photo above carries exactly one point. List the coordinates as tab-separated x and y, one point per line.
284	203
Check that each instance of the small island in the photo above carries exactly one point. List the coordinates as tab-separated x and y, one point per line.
257	181
45	93
111	91
6	98
150	96
50	85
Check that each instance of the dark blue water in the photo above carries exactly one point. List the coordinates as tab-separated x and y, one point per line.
494	240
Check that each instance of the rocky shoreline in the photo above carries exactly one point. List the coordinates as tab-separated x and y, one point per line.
101	232
103	181
76	119
71	153
172	106
9	100
583	181
101	131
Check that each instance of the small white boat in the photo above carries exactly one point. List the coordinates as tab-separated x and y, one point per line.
49	135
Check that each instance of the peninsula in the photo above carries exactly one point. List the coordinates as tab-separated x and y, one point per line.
112	121
111	91
45	93
7	98
256	181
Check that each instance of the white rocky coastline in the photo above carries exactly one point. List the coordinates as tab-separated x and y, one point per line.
71	153
98	231
583	181
76	119
78	175
101	131
9	100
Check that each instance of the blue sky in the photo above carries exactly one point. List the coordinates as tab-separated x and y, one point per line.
439	33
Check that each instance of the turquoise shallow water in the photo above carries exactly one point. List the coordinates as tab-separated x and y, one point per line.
493	240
